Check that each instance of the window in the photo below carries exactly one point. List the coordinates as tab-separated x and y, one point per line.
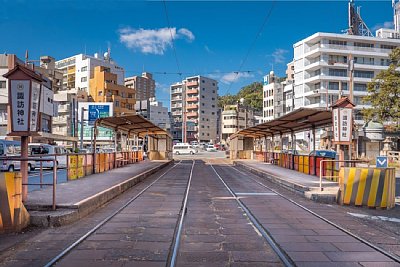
213	91
391	47
203	89
203	81
117	103
212	113
84	79
2	84
213	106
337	59
364	74
337	42
360	87
364	60
208	134
338	72
202	112
202	104
100	93
363	45
213	98
84	68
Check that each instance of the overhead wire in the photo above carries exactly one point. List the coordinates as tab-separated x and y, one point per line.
252	45
172	38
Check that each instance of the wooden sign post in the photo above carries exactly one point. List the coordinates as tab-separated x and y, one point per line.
24	86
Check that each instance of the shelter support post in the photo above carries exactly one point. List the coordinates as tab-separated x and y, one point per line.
313	136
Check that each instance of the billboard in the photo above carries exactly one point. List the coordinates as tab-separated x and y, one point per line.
98	111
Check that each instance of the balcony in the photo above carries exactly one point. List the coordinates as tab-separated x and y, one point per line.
192	114
176	99
192	91
193	83
177	113
192	107
192	99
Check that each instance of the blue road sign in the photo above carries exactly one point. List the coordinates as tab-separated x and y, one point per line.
381	162
98	111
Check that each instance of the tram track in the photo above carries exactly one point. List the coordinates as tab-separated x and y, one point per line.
174	244
360	239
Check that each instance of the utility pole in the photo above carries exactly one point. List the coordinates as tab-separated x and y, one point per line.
82	126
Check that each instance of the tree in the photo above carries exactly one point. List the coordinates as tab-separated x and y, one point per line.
252	94
384	93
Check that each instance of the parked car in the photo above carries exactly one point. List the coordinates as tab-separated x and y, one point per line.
38	149
12	149
183	148
323	153
211	148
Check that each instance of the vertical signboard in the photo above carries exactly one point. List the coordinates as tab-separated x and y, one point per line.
20	105
342	125
34	106
336	125
345	124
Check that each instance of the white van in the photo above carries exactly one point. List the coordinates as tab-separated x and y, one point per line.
12	149
183	149
38	149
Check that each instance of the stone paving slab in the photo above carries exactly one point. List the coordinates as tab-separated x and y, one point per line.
75	199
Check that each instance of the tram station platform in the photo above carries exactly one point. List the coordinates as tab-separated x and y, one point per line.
75	199
307	185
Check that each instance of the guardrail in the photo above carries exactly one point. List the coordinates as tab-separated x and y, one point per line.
331	176
41	181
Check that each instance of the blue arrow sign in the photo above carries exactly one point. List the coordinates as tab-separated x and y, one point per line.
381	162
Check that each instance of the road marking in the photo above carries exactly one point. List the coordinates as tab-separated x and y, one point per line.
369	217
255	194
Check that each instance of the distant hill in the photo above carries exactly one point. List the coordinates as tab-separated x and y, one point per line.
252	94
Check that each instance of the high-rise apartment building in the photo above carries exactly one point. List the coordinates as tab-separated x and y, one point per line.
327	65
104	87
145	86
194	109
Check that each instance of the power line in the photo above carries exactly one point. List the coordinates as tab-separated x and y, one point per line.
253	44
172	37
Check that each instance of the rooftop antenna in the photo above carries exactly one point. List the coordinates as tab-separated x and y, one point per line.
356	24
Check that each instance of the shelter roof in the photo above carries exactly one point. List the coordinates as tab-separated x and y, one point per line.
295	121
132	124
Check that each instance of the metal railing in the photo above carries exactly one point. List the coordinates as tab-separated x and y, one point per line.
333	176
41	180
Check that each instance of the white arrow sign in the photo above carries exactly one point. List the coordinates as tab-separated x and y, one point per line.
383	162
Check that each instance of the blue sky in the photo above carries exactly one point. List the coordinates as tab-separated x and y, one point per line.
211	38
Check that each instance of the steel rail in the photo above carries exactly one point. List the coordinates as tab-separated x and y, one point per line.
267	236
94	229
182	216
362	240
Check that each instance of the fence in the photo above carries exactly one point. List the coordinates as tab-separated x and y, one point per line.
302	163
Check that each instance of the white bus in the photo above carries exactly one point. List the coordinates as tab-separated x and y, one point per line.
182	148
38	149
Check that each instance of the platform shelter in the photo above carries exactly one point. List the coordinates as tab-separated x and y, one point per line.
159	141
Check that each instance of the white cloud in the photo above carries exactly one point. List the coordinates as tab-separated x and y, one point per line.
386	25
279	55
188	34
234	77
152	41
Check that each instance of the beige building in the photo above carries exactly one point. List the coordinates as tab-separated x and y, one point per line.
194	109
145	86
235	118
105	88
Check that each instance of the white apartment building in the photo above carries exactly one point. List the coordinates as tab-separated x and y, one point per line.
322	63
79	69
194	108
154	111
